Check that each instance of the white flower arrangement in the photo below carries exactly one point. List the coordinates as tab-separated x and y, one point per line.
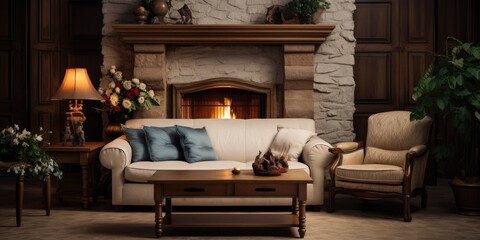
25	149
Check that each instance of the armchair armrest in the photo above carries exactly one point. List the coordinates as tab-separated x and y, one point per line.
117	154
347	153
416	151
345	147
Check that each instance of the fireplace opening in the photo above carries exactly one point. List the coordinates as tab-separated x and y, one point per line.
223	103
223	98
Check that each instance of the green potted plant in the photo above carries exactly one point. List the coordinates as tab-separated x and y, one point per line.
305	9
450	89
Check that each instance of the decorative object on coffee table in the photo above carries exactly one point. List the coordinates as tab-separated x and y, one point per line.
269	165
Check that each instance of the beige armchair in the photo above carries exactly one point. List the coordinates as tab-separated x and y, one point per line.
392	164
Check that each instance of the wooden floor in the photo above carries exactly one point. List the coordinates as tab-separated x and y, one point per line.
351	220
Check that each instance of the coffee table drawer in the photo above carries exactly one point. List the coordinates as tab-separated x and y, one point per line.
266	189
192	189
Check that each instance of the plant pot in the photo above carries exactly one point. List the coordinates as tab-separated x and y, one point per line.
467	195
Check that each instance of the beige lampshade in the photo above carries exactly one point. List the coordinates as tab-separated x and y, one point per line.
76	85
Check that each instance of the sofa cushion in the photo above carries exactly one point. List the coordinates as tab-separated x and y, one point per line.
136	139
196	144
163	143
143	171
290	142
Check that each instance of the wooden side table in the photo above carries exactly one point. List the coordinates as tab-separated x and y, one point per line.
19	193
83	155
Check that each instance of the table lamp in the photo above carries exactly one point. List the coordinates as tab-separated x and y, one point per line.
76	86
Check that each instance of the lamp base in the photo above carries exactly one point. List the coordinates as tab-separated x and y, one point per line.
74	128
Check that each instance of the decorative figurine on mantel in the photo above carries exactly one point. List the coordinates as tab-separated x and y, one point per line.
185	14
160	8
141	15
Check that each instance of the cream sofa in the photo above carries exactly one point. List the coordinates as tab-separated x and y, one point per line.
236	143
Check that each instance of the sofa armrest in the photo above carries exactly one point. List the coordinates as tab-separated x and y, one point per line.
116	154
316	156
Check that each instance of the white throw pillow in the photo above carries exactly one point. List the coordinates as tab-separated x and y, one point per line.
290	141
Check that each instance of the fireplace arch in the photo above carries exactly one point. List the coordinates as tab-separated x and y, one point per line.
208	98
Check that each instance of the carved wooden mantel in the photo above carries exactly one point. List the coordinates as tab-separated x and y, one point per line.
218	34
299	42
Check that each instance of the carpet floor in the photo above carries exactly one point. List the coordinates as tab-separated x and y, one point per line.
352	219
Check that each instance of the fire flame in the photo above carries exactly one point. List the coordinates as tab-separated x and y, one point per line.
227	111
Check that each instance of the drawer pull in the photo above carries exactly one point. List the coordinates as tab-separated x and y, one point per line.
194	190
265	189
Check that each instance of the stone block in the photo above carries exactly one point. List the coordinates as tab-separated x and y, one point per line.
299	85
201	8
241	4
154	76
348	35
244	17
217	14
186	71
257	9
149	48
326	68
256	2
299	48
298	59
345	81
149	60
298	73
298	104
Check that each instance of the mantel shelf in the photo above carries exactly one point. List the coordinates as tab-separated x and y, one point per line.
219	34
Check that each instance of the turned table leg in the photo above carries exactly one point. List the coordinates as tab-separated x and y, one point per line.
158	218
85	186
19	198
47	194
302	218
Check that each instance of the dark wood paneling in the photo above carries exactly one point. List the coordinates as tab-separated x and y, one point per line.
419	21
13	67
46	21
373	22
5	67
84	18
417	63
5	20
373	77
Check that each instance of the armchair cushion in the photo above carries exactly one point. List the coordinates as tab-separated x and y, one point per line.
370	173
375	155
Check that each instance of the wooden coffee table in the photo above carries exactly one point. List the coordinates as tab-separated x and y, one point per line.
222	183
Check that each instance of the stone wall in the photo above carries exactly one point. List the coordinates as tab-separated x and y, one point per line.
333	77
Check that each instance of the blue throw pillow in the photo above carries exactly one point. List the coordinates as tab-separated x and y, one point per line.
163	143
136	139
196	144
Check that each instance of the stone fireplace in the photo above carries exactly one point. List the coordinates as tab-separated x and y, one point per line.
291	78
